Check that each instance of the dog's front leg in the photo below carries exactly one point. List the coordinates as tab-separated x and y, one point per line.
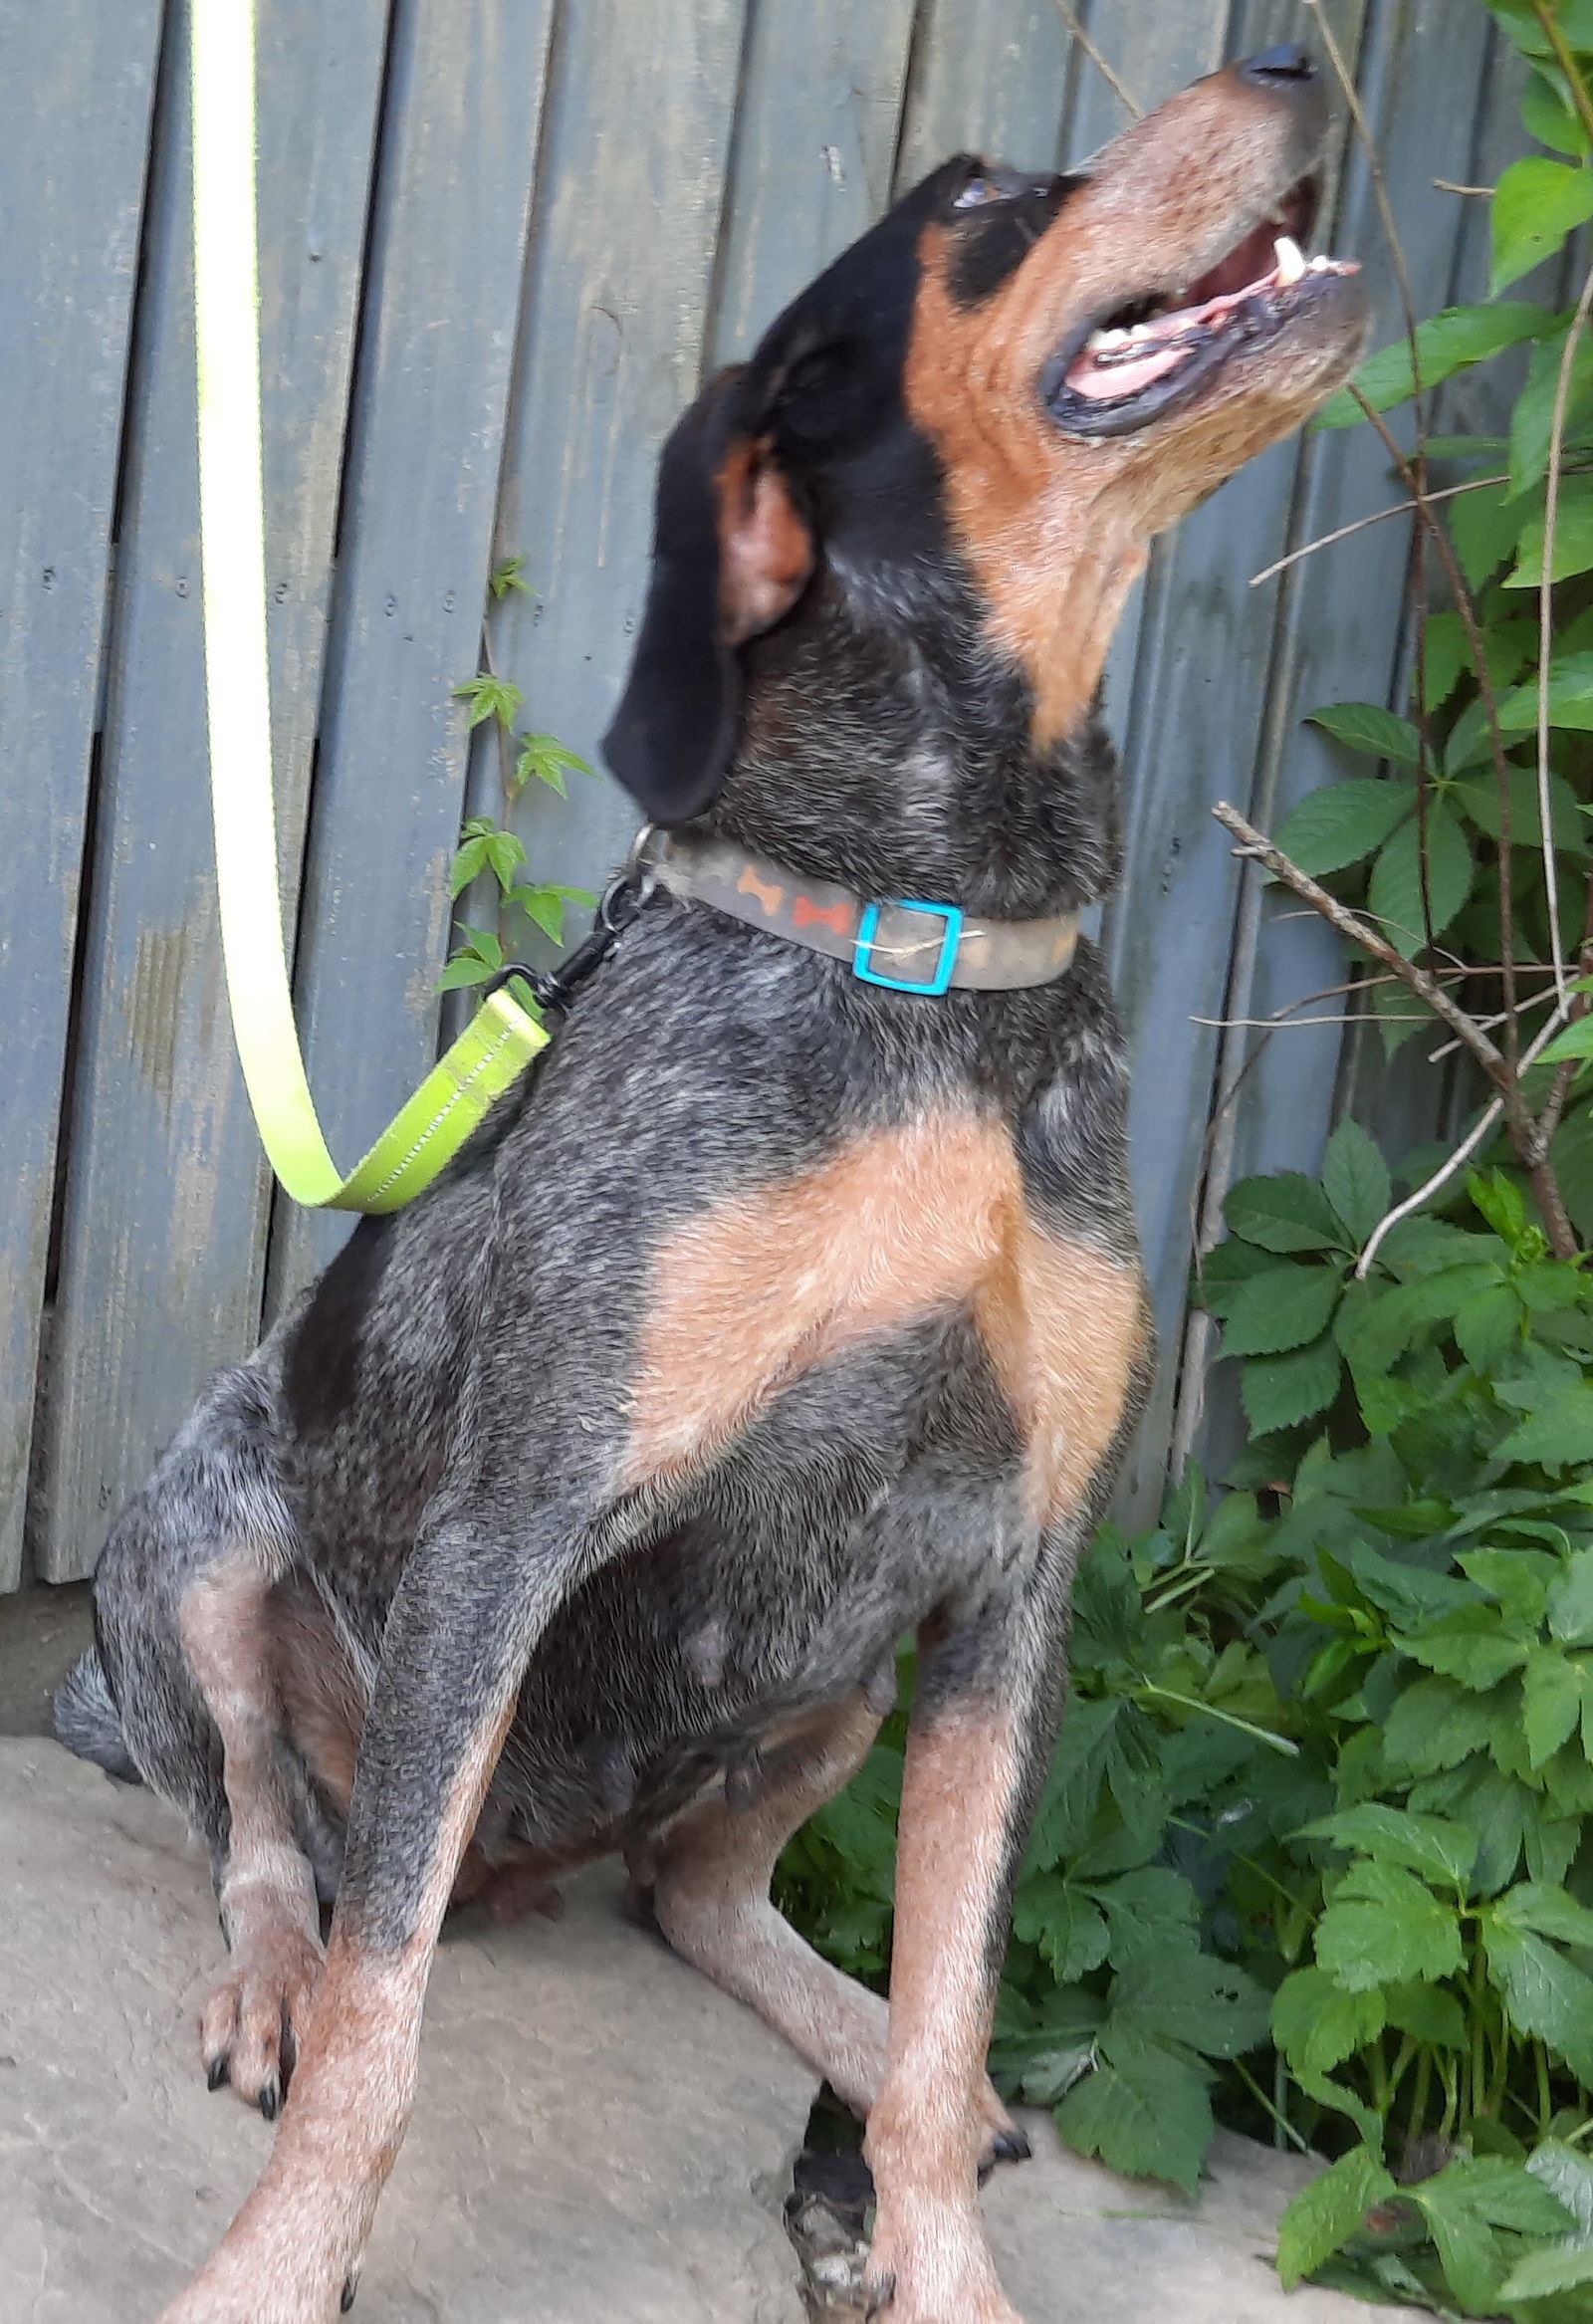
457	1641
983	1717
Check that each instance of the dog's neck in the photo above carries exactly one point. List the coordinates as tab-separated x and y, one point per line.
887	746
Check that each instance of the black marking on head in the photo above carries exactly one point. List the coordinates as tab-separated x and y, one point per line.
994	235
321	1367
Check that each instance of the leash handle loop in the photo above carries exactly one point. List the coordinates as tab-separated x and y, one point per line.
502	1038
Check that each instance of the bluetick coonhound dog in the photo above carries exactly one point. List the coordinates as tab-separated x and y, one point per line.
795	1304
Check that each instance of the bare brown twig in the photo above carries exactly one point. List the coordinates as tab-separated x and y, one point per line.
1071	19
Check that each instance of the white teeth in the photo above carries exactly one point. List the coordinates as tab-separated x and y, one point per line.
1143	331
1320	266
1104	342
1291	262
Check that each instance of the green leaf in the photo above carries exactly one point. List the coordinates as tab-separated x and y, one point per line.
1574	532
1449	342
1568	2175
1384	1925
1193	1999
1562	2268
1343	822
1467	1645
1547	1912
1571	1605
1469	2198
463	969
1441	1850
1570	701
1575	1042
1446	655
1551	1702
1546	116
1428	2013
1279	1391
1283	1309
1317	2022
507	575
1486	1327
1543	1993
1287	1212
1395	897
1152	1913
1373	731
1355	1179
1532	421
1068	1926
1328	2212
467	864
1557	1435
1432	1724
545	757
1142	2111
490	697
1486	525
1478	794
1537	204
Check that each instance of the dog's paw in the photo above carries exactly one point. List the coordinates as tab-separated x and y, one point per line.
1005	2141
942	2273
251	2027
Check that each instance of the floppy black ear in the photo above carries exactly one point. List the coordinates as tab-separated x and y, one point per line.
732	552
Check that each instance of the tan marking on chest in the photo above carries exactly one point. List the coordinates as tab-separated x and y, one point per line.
900	1224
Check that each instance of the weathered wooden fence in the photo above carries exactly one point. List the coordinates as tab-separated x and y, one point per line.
502	242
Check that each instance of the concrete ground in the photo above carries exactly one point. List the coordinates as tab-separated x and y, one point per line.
601	2138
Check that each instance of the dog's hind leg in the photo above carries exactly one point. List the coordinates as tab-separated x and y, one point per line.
711	1898
182	1608
250	2027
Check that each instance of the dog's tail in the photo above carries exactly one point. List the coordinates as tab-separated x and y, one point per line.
89	1722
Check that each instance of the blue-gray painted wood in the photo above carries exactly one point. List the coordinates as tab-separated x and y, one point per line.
426	438
164	1230
70	206
816	133
546	280
612	348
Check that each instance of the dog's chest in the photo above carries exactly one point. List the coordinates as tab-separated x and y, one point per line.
920	1219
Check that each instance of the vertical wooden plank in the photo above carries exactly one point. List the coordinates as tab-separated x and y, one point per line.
989	77
637	145
72	204
821	104
448	242
1339	613
165	1202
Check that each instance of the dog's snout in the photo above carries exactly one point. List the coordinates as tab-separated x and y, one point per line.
1288	69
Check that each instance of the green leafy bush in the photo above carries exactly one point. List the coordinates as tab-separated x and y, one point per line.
1312	1848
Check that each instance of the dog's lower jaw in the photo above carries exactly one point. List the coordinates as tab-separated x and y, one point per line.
930	2264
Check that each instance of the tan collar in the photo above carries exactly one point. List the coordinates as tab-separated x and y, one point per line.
900	942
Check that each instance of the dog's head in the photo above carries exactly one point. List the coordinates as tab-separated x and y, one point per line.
1033	374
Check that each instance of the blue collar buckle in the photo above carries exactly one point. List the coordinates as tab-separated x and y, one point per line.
940	977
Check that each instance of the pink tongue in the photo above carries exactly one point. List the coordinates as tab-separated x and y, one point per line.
1108	381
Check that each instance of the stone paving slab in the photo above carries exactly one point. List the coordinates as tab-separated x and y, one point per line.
1076	2244
600	2138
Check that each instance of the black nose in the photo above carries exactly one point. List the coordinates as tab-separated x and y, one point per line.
1285	68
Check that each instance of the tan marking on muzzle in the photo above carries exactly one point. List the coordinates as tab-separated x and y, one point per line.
1055	528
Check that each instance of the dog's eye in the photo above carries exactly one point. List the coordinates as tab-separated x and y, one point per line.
976	193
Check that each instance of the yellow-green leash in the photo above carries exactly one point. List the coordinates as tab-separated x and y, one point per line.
502	1039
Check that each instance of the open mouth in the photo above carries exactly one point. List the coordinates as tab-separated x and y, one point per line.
1151	352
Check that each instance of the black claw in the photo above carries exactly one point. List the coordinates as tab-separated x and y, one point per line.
270	2099
1012	2146
350	2284
216	2079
